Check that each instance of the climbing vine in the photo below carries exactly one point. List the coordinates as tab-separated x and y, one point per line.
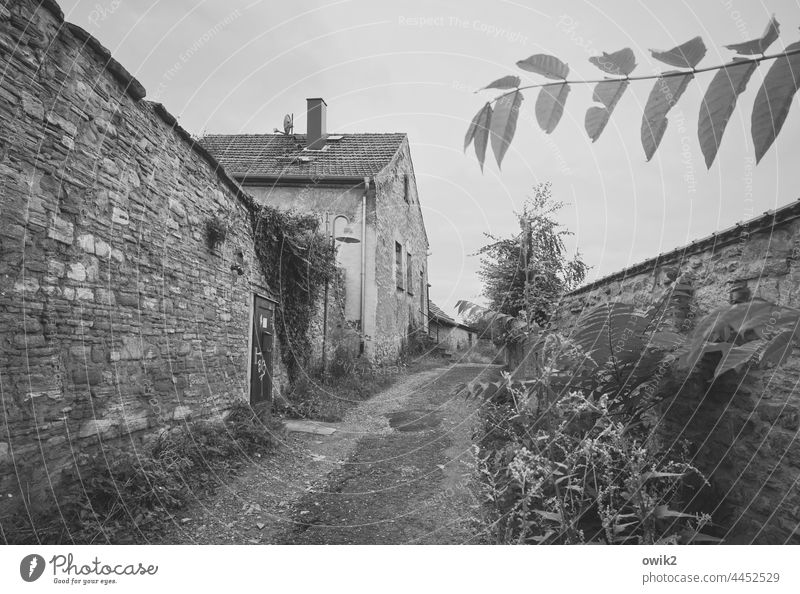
297	260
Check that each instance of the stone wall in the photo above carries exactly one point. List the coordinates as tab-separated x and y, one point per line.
743	430
399	220
117	320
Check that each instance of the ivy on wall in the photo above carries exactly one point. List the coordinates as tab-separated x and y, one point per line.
297	261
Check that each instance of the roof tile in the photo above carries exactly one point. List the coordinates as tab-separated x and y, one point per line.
278	155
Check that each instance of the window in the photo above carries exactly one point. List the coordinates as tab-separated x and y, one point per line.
406	194
398	265
409	275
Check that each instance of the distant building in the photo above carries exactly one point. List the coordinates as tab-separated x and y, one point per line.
450	334
363	188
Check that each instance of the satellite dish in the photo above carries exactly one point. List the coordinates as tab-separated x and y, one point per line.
288	124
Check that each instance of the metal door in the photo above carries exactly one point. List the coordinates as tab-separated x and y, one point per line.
261	354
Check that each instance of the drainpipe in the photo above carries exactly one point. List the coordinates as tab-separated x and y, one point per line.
363	263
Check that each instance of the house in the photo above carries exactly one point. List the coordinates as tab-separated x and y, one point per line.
448	333
363	188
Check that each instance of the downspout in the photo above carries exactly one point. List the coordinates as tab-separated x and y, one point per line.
363	263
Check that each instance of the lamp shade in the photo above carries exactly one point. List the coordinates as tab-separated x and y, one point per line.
347	236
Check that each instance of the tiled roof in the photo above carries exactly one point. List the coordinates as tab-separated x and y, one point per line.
435	312
278	155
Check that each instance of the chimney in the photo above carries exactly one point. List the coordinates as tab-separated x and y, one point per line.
316	131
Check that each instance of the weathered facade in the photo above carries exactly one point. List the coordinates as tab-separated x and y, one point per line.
359	184
744	432
118	319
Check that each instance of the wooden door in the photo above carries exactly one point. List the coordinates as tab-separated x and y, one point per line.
261	354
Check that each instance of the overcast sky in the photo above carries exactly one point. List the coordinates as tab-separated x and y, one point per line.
237	66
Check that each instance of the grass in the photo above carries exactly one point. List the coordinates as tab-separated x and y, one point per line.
120	496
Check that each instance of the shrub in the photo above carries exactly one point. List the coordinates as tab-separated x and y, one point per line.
578	474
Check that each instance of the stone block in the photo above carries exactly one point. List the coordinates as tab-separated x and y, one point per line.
77	272
181	412
131	349
86	242
84	294
128	299
86	376
61	230
119	216
101	248
97	428
5	454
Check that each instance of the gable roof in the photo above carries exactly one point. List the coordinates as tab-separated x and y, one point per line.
282	156
435	312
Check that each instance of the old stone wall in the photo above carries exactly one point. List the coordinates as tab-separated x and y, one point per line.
117	319
743	429
399	220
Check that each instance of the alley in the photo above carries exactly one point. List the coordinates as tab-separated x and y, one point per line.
399	469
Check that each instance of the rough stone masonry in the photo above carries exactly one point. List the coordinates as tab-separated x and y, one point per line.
117	319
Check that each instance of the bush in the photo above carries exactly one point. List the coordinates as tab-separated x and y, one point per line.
578	474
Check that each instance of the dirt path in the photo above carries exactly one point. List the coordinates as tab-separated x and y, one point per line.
399	469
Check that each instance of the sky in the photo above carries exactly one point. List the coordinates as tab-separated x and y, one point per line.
237	66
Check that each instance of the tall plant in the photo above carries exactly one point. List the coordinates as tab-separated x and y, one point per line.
530	271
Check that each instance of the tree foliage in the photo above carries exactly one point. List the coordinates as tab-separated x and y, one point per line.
496	121
530	271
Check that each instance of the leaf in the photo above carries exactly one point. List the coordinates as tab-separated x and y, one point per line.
550	106
663	511
553	516
663	96
608	93
546	65
691	357
507	82
620	63
666	339
778	349
738	356
774	99
656	475
760	45
717	106
479	132
686	55
504	123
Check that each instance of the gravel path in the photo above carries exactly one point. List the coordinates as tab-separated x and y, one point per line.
399	469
